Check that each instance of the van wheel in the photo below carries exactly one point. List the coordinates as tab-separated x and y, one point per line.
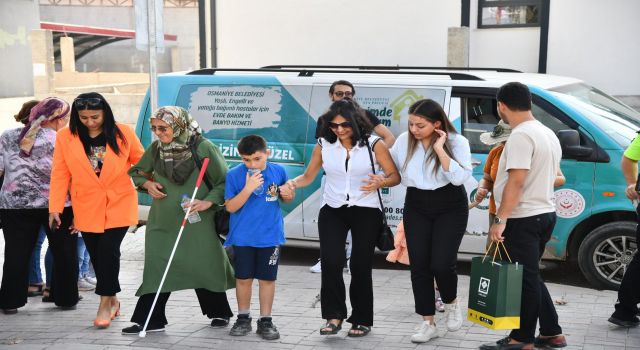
606	252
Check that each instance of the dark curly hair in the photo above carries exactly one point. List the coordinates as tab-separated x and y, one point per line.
353	113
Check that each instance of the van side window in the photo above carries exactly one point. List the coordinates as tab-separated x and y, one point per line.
479	114
547	119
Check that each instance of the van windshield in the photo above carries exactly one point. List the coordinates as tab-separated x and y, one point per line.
618	120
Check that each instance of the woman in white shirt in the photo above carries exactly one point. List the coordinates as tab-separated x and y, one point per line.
350	202
434	162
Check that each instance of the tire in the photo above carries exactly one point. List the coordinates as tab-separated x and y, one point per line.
614	243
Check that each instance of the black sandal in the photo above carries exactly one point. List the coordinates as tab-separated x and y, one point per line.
333	328
46	296
358	327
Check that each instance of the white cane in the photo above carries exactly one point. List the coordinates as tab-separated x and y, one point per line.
205	162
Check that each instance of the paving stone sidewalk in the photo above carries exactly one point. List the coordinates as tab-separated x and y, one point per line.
42	326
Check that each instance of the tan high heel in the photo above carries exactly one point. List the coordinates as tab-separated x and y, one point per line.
101	324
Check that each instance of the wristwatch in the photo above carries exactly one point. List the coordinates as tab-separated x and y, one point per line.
498	221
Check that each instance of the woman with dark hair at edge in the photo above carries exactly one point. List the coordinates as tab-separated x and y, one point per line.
350	202
91	161
26	155
434	161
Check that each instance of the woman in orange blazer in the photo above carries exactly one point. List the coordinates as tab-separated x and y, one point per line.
90	161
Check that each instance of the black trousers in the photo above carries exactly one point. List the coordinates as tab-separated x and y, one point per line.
20	229
525	239
434	224
333	225
629	292
104	251
212	304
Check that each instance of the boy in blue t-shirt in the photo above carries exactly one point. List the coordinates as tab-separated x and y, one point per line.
256	230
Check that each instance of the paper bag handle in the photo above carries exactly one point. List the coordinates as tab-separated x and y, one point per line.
496	251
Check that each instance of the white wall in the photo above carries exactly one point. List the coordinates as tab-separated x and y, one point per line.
597	41
253	33
515	48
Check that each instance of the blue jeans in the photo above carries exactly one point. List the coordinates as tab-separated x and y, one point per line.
35	274
83	258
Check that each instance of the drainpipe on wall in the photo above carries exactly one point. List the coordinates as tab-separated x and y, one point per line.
202	34
544	36
214	34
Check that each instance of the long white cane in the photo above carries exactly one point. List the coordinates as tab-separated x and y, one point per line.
205	162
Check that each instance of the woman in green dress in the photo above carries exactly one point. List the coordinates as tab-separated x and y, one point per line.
167	171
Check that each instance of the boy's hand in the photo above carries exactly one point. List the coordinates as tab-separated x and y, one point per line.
254	181
287	192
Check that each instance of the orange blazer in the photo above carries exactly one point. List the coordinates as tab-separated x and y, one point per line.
101	202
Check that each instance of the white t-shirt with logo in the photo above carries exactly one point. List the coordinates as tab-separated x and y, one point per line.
534	147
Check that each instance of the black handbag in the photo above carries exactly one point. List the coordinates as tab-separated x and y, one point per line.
221	217
385	239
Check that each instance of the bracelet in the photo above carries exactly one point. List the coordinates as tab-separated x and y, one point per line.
384	183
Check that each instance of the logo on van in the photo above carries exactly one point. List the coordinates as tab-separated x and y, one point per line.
404	101
569	203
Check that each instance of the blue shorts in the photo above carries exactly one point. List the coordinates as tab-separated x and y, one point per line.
259	263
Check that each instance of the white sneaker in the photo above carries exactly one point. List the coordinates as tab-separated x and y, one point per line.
91	280
85	286
453	316
317	268
426	332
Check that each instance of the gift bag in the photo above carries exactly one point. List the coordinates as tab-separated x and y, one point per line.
495	291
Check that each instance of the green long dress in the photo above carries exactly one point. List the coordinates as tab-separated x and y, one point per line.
200	260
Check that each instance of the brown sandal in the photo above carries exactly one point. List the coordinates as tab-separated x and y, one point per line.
38	291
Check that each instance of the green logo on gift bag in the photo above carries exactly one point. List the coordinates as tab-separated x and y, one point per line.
483	287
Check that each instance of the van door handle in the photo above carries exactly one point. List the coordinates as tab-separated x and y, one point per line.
475	162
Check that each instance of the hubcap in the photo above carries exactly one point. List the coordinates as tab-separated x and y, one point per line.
612	256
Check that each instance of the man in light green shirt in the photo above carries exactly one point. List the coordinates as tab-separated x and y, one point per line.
629	293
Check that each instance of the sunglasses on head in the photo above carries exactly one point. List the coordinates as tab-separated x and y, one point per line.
498	130
159	128
343	93
88	103
344	125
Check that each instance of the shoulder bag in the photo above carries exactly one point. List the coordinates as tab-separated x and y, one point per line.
221	216
384	242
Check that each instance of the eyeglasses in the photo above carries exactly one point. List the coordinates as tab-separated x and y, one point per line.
343	93
161	129
88	103
344	125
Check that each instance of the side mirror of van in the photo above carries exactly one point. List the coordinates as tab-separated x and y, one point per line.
570	143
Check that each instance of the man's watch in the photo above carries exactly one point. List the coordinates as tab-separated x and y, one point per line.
498	221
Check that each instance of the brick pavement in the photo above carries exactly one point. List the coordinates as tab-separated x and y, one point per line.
42	326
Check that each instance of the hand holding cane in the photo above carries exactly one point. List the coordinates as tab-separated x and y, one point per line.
205	162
